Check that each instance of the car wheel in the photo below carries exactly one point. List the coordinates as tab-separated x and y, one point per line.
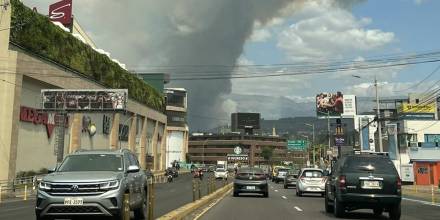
266	194
298	193
285	186
328	207
338	208
141	213
395	212
378	211
43	218
235	194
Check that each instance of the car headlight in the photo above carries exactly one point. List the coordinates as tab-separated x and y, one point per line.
114	184
44	186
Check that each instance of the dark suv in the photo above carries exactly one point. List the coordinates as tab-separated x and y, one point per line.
365	181
93	183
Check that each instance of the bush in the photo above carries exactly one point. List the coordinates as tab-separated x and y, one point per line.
36	34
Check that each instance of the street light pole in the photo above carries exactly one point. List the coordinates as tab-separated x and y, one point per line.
313	141
379	124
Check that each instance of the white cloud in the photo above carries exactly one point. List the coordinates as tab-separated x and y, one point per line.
385	89
325	31
260	35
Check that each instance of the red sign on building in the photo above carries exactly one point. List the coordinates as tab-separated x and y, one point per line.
61	12
34	116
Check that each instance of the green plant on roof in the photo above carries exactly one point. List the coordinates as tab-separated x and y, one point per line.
35	33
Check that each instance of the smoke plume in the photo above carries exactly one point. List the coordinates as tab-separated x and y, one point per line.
145	33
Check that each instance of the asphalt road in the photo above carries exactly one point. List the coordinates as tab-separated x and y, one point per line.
168	196
283	204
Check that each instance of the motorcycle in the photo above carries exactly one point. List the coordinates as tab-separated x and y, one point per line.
170	178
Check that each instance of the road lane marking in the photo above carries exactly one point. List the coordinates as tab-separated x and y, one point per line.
276	190
298	209
212	205
422	202
284	197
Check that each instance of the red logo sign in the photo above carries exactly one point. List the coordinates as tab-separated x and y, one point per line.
61	12
32	115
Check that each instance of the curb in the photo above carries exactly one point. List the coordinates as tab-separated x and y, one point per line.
182	212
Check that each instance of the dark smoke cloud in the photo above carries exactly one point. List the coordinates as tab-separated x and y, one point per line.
144	33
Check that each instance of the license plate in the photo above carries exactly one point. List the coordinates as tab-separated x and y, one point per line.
367	184
73	201
250	187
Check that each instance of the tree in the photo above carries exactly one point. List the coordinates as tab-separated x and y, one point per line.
267	153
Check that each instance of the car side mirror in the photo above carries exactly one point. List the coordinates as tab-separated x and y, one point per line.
133	169
51	170
326	173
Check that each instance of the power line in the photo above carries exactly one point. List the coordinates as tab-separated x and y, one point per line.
420	82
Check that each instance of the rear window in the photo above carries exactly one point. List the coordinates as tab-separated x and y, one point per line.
369	164
312	173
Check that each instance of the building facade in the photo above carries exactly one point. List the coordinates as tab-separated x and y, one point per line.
177	129
30	136
208	149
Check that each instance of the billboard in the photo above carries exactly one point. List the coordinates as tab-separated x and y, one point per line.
61	12
349	106
84	100
418	108
329	104
245	120
392	141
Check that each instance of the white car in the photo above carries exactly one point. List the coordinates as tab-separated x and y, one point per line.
221	173
310	180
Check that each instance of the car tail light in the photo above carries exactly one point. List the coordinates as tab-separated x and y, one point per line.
399	183
342	182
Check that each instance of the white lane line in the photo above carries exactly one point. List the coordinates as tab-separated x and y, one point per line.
276	190
423	202
283	197
298	209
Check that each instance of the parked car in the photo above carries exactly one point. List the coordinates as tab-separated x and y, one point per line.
251	180
93	183
364	182
310	180
280	174
290	180
221	173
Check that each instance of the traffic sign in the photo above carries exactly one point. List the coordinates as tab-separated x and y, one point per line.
296	144
339	141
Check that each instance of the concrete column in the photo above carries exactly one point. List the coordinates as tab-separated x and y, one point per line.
163	148
154	146
10	93
114	133
143	145
75	133
252	154
132	134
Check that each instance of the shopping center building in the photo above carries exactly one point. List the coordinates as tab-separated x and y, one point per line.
30	137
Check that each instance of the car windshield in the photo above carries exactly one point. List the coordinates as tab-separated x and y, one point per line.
92	162
378	165
312	174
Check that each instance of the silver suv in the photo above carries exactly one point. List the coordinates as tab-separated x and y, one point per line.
93	183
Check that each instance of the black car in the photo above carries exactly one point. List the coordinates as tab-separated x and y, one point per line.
290	180
251	180
365	181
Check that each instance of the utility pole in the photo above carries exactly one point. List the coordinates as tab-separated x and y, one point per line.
379	124
328	133
313	141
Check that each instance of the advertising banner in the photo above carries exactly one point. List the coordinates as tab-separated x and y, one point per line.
418	108
330	104
368	129
335	105
84	100
349	105
61	12
392	141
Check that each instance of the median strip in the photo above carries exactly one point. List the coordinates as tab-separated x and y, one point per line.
189	208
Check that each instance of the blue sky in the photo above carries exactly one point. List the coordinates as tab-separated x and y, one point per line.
412	24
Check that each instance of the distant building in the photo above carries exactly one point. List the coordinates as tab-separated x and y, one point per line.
177	127
208	149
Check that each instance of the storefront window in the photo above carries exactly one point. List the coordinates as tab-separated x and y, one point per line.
432	138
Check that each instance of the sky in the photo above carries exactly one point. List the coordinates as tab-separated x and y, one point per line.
150	34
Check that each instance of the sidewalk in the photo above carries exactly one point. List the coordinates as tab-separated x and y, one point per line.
425	193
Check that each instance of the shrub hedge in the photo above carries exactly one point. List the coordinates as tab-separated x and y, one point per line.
36	33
